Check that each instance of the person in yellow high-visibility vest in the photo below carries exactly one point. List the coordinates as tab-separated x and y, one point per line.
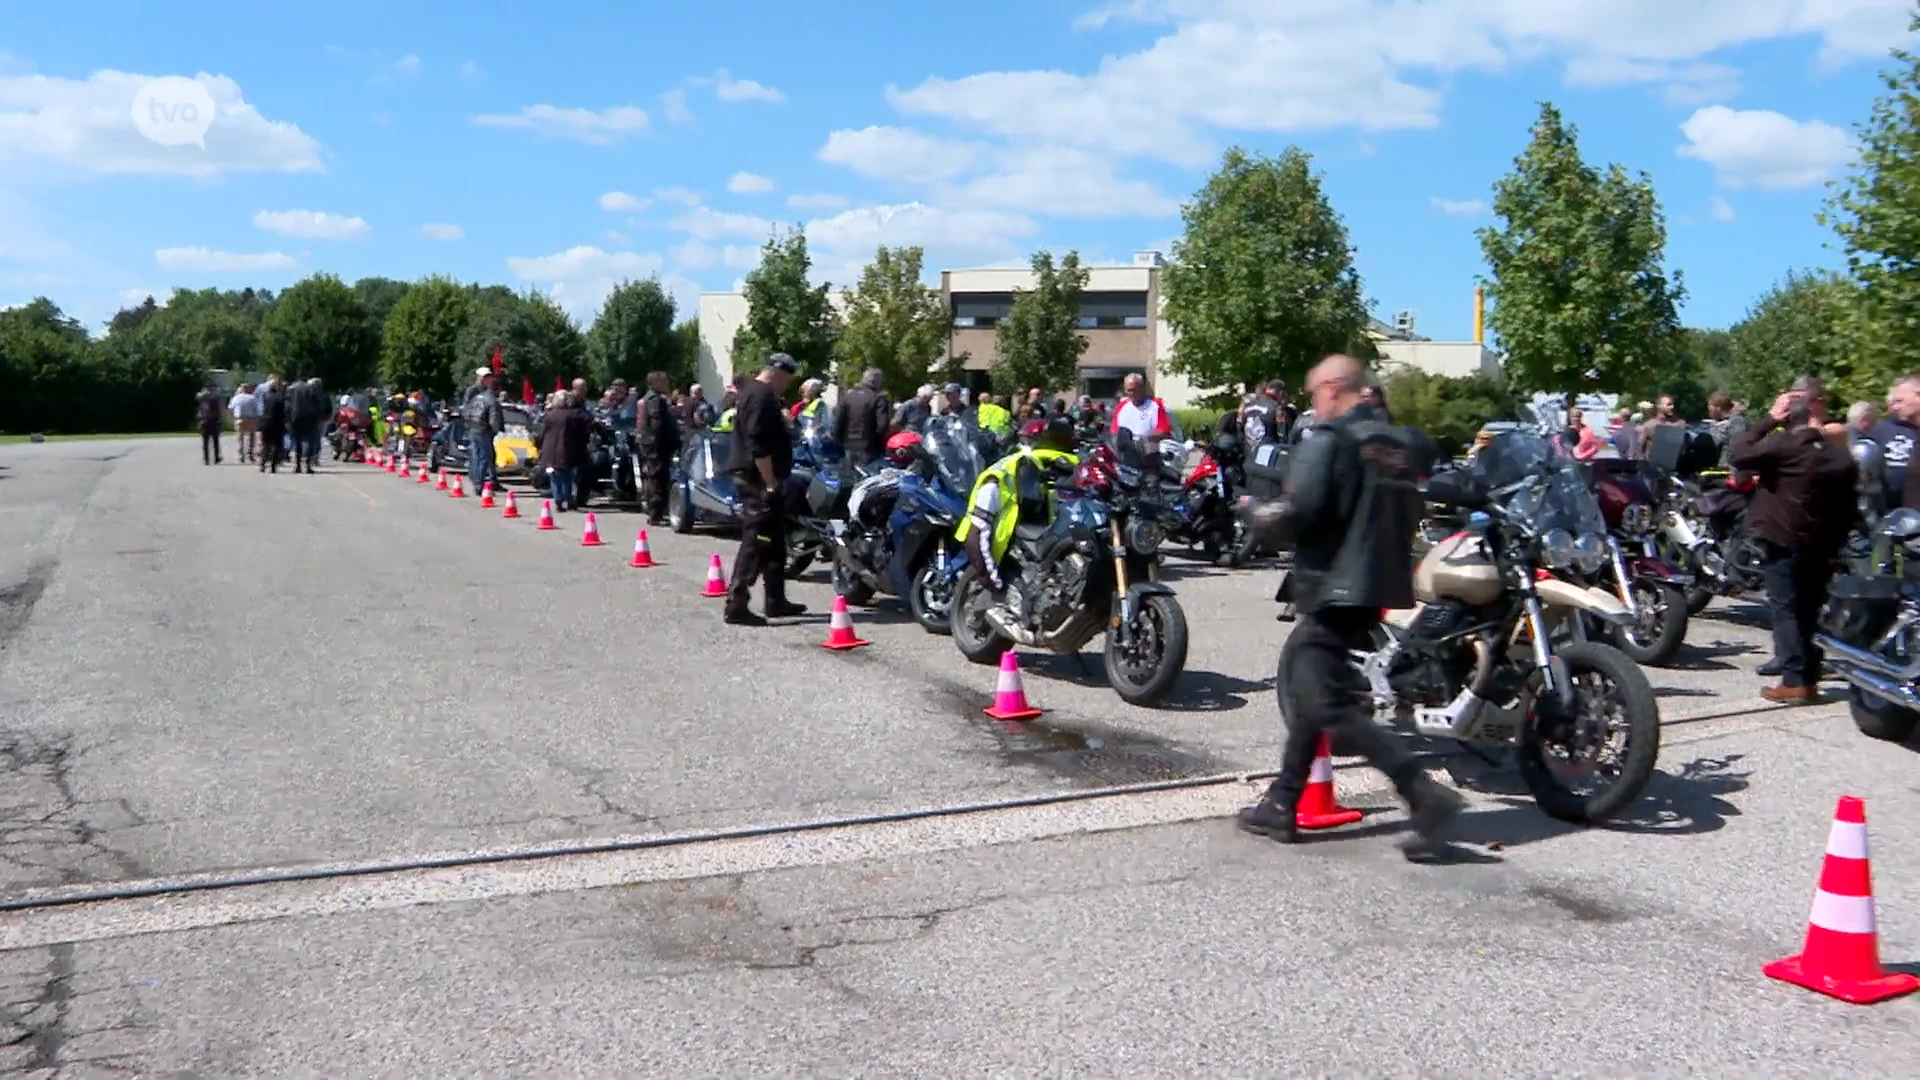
993	416
994	506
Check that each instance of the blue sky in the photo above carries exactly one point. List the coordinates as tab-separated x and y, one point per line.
566	146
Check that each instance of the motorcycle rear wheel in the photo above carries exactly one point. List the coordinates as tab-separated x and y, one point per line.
1160	618
1639	723
679	514
857	592
1655	643
1881	720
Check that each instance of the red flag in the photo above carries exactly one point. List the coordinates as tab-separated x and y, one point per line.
526	390
496	359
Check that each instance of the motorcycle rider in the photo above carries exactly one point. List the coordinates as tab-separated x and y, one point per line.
860	423
659	438
994	506
1351	507
762	458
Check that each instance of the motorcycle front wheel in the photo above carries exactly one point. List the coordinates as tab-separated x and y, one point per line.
1588	765
1144	673
930	599
1660	628
976	638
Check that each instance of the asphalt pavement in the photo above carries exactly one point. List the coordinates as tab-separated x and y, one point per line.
206	671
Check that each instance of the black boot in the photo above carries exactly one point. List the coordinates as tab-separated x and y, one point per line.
1431	810
1273	816
784	609
741	616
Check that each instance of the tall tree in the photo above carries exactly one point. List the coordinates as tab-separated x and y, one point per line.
1580	299
1451	410
1876	213
686	367
127	319
318	328
1039	342
633	334
786	312
560	345
379	295
41	350
1262	283
1797	328
420	341
894	322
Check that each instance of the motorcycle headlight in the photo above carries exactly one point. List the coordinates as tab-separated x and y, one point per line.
1558	550
1144	536
1589	554
1637	520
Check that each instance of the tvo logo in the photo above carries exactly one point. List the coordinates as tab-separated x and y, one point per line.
174	111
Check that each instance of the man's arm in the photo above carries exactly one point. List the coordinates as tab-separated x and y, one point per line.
768	423
1751	451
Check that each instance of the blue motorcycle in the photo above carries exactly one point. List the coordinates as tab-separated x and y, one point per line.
897	535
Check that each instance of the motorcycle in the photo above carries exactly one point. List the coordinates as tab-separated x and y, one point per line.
898	534
1703	530
1496	651
1091	568
1200	508
1871	632
702	495
1652	589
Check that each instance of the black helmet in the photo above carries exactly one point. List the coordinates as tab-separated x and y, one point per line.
1054	434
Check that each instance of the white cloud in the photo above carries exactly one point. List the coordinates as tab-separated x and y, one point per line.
1764	149
471	70
816	202
1259	66
746	183
1721	209
617	201
311	224
435	230
408	65
1064	182
683	196
580	278
890	153
605	127
705	223
699	255
1464	208
207	261
88	125
673	104
136	297
841	245
729	89
615	236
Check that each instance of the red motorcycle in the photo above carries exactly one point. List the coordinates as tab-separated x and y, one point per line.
1653	590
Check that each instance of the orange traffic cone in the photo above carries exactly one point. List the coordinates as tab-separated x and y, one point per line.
486	496
426	476
546	516
459	489
405	471
442	485
390	465
1317	809
590	534
642	554
513	508
1842	956
373	458
716	581
840	635
1009	696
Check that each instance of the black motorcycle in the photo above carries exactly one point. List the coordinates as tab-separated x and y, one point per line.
1871	633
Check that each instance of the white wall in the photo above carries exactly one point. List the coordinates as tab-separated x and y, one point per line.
1453	359
721	316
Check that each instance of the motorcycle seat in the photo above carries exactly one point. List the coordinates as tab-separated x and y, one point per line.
1031	533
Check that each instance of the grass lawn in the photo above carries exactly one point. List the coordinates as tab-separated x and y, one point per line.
8	440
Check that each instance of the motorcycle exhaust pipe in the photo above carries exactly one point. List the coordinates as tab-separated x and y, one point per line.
1854	657
1008	628
1890	692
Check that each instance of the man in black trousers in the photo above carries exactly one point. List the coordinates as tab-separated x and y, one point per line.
761	458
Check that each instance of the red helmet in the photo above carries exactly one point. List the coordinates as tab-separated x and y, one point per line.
902	448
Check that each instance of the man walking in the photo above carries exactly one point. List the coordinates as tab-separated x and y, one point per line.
273	426
310	410
762	459
206	410
484	419
659	438
1800	516
245	407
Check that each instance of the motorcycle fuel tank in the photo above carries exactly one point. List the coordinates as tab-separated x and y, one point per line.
1457	568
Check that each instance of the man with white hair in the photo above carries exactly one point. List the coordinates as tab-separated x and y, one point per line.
1862	417
810	407
914	414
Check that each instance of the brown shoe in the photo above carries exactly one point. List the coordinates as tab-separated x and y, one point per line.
1791	695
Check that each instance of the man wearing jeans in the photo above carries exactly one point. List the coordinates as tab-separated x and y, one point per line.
1801	513
484	419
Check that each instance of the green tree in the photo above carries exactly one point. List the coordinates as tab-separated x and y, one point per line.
633	334
1875	211
1798	327
320	329
686	366
379	295
420	340
786	312
1580	301
1451	410
41	351
144	380
1039	342
559	344
132	318
894	323
1262	284
537	341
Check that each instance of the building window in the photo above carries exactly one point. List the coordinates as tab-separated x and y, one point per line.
990	307
1117	306
1111	322
1136	322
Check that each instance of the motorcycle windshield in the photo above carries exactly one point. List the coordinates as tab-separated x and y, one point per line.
813	438
954	451
1553	496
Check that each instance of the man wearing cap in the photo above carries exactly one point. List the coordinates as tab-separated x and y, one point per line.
484	419
762	458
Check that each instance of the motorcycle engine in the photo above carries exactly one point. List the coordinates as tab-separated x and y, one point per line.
1055	589
1428	670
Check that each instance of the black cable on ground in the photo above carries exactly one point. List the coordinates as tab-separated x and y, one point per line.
152	890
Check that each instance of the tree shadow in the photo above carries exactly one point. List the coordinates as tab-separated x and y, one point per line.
1740	614
1692	657
1210	691
1197	570
1686	802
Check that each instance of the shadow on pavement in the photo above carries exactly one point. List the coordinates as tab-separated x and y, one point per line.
1687	802
1708	657
1739	614
1210	691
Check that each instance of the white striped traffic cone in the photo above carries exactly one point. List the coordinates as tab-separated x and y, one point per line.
1842	955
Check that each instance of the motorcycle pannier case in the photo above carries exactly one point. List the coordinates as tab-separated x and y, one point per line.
1861	608
1266	471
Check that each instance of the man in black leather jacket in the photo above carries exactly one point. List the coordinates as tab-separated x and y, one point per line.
1351	508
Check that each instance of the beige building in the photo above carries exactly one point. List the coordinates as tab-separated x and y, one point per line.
1119	315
